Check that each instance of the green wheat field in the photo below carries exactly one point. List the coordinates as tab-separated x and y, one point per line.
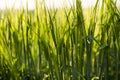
60	43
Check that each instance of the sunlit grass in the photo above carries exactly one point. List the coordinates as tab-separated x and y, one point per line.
60	44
